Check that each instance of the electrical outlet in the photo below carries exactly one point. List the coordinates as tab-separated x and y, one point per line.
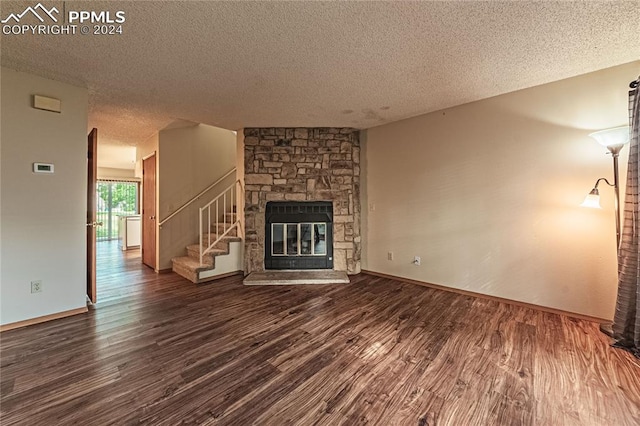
390	255
372	207
416	260
36	286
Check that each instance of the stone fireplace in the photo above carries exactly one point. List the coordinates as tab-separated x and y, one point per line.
300	169
299	235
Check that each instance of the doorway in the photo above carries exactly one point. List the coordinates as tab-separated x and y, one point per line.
113	219
118	239
115	200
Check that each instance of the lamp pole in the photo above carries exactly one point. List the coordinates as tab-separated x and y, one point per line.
614	139
615	153
607	328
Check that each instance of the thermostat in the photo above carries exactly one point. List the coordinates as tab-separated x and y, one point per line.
42	168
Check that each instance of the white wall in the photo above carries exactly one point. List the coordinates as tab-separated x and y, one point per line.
191	158
42	216
488	194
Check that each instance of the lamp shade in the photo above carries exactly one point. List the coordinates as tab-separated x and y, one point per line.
612	137
592	200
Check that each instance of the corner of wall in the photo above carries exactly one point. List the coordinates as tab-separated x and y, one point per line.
240	177
364	200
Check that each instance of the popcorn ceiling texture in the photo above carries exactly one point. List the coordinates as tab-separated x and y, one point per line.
306	64
303	164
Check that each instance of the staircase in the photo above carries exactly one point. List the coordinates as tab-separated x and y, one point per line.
214	263
219	251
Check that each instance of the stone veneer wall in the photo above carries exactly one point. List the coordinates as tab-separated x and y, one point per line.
303	164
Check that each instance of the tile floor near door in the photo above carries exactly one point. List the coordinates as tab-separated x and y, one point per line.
157	349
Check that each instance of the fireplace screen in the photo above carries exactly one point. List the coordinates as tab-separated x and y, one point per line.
298	235
298	239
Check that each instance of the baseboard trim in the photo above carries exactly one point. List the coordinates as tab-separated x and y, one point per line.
219	277
164	271
38	320
489	297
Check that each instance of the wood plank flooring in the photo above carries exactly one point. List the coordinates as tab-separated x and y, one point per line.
159	350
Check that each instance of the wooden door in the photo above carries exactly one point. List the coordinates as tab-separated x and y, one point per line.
149	211
92	168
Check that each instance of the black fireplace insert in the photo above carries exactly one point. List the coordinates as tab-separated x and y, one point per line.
299	235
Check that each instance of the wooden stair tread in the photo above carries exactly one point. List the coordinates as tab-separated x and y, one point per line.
212	252
189	266
191	263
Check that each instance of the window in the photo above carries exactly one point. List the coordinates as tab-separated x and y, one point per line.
114	199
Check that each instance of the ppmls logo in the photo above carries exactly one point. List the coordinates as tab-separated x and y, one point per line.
33	11
74	22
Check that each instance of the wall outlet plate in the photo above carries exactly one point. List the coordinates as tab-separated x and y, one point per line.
417	260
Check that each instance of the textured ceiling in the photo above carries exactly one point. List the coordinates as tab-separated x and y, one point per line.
358	64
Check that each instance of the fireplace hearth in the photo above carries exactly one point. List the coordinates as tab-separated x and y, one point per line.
299	235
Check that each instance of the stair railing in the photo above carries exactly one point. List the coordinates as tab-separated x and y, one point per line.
197	197
209	215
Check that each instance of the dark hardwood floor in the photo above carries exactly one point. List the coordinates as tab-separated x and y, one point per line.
157	349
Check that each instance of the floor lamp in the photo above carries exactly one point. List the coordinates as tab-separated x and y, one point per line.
614	139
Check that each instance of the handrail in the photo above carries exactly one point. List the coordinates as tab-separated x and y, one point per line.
235	191
185	205
219	196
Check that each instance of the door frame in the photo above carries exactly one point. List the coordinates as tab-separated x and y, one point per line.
147	219
92	176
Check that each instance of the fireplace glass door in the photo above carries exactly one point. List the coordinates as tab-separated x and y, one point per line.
298	239
298	235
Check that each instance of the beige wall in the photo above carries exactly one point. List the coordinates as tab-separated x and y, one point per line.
42	216
240	176
113	173
488	194
145	149
191	159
